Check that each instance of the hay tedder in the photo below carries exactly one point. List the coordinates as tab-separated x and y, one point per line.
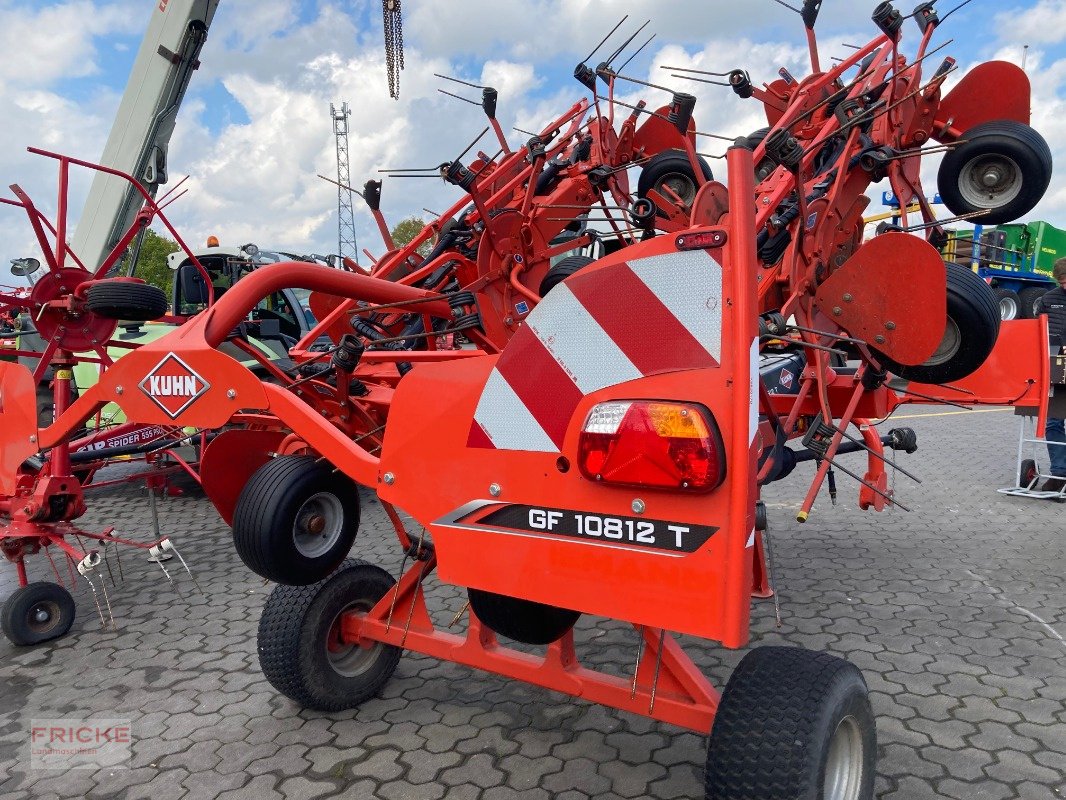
602	446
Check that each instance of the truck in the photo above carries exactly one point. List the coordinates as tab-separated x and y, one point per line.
1015	259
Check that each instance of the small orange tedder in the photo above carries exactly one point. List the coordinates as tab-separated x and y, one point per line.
602	450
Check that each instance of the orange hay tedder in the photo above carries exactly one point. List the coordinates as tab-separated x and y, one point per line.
602	447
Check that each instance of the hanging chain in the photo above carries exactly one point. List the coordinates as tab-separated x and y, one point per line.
391	14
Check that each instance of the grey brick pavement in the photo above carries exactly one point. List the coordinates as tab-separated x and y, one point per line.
955	613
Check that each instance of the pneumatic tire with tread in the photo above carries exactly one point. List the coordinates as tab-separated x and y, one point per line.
299	651
523	621
295	520
563	270
1004	166
1028	297
37	612
126	300
971	331
777	733
672	168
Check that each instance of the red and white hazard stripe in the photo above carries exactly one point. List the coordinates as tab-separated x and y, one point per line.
623	322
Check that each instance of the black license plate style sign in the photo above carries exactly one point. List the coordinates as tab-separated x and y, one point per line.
606	529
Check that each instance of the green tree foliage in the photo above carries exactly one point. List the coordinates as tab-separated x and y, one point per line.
152	262
408	229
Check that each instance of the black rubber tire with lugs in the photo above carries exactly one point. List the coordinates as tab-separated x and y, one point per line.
778	714
293	635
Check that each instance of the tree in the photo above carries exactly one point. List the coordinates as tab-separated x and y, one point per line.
407	229
152	261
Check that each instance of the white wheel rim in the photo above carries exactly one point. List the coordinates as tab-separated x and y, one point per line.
318	525
949	345
680	184
990	181
1008	308
349	660
844	764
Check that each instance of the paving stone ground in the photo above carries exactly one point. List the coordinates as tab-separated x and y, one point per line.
954	612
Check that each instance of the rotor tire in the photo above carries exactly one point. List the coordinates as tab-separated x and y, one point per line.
1022	156
278	511
126	300
563	270
777	726
765	168
18	618
671	165
973	322
1010	305
1027	298
521	620
295	633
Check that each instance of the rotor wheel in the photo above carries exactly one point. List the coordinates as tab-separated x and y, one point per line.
521	620
301	650
37	612
669	173
295	520
563	270
1003	166
792	723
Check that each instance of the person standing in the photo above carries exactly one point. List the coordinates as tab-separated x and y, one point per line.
1053	303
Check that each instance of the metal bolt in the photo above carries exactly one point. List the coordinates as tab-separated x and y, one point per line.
684	412
33	438
119	390
848	298
388	478
638	506
838	310
890	325
509	321
494	489
230	394
880	339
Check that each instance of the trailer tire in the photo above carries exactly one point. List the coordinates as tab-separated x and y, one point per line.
792	723
295	520
672	168
126	300
1004	166
299	651
523	621
1010	304
971	331
37	612
1027	298
563	270
1028	474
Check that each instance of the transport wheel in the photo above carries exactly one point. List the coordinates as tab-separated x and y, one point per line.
792	724
295	520
671	168
36	613
1004	166
1010	304
125	300
564	269
969	336
1027	300
1027	473
521	620
300	649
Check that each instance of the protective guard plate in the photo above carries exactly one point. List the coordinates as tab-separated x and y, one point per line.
893	287
968	103
18	422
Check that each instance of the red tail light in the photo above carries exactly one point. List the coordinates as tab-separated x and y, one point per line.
652	443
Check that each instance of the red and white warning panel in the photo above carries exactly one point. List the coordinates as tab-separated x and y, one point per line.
602	454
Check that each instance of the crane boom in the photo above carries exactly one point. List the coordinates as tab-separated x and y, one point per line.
139	138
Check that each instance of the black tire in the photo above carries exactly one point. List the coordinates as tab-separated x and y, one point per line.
1027	474
295	520
37	612
764	168
521	620
1010	304
971	333
671	167
123	300
294	640
564	269
1004	166
1028	297
779	730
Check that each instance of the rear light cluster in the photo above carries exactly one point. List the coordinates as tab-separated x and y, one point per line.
652	443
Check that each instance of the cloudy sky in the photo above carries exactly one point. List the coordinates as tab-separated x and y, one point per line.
255	127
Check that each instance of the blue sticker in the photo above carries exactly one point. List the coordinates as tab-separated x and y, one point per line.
522	308
813	218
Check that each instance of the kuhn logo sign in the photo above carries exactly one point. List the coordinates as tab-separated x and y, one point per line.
173	385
